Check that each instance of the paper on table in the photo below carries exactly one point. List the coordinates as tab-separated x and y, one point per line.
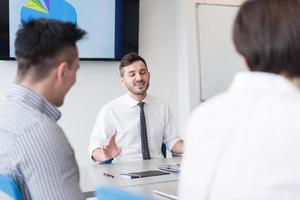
175	168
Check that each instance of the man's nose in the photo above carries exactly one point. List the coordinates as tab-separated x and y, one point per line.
138	76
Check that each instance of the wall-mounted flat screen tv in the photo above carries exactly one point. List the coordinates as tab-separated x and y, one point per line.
112	25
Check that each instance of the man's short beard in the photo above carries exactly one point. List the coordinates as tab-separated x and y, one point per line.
139	93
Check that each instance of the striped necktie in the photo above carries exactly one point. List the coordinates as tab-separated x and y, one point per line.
144	140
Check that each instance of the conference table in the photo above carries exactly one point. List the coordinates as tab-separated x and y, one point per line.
93	176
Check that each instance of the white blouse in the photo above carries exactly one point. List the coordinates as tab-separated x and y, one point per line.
245	144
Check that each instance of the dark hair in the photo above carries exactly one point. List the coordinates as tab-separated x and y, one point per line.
40	42
267	34
128	60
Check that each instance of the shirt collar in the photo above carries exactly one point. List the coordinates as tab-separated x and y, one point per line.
34	100
261	81
132	102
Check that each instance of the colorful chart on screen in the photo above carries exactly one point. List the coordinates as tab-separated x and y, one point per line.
49	9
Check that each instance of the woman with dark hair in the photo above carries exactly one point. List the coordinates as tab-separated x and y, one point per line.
245	143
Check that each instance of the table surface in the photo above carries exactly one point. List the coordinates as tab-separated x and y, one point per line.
92	177
147	190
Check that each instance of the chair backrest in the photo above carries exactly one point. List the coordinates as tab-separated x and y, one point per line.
9	187
164	150
113	193
107	161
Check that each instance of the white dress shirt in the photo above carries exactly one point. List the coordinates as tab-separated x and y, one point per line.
122	116
245	144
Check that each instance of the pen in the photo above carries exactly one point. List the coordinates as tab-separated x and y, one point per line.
109	175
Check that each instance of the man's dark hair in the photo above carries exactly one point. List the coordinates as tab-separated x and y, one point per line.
40	45
128	60
267	34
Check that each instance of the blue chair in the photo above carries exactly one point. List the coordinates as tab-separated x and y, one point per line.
107	161
9	187
164	150
113	193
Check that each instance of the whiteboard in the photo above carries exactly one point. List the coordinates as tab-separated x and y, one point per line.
218	59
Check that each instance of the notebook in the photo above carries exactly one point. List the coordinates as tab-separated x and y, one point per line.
143	174
169	192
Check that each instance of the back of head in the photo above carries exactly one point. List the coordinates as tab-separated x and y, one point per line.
40	46
267	34
128	60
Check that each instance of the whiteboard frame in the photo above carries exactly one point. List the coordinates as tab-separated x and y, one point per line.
196	3
189	71
230	3
220	2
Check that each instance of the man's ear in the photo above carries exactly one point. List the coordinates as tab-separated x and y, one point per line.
121	78
61	70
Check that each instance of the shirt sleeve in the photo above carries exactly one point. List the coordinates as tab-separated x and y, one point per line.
47	163
102	130
170	136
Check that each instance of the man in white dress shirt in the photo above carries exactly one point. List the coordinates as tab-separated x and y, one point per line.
117	131
244	144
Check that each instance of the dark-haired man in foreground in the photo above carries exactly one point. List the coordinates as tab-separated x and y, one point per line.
34	150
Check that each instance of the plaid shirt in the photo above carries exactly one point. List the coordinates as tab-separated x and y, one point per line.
34	149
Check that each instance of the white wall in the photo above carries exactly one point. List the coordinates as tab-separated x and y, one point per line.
7	76
162	43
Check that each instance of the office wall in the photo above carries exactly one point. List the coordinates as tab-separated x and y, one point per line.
161	23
